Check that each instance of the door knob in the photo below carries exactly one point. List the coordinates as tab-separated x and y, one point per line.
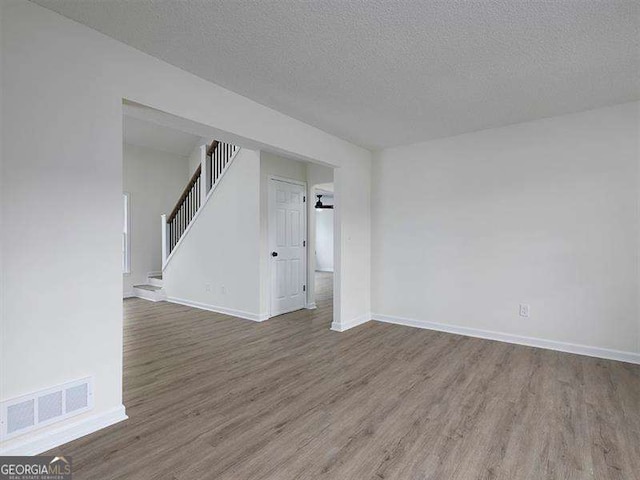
274	254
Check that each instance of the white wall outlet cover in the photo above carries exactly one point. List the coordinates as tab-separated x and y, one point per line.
524	310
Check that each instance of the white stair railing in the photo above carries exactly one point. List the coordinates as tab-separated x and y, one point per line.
215	159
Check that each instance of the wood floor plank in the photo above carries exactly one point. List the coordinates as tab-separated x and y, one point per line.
216	397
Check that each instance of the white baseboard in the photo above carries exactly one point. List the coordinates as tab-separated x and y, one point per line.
254	317
311	306
354	322
128	294
589	351
38	443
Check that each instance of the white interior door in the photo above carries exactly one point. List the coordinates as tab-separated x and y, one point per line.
287	246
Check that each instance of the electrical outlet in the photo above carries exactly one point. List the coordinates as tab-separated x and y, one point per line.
223	289
524	310
207	287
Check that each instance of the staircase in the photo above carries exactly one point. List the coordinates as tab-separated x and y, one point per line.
152	290
215	160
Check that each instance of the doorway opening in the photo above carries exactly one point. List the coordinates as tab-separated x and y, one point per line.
215	265
324	240
289	232
158	161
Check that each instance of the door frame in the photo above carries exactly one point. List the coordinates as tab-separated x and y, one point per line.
270	198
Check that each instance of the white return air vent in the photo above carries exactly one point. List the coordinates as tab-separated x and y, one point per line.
28	412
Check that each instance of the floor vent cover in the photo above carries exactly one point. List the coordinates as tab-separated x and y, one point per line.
28	412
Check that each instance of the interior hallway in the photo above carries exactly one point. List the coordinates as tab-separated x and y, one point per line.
211	396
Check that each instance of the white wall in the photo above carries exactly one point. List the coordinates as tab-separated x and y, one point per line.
217	264
3	199
154	181
65	210
195	158
352	243
63	268
324	238
544	213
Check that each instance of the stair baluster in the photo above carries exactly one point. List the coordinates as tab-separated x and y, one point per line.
218	157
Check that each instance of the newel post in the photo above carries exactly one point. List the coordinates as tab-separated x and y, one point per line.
165	238
204	174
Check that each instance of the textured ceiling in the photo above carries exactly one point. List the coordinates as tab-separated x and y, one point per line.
145	134
391	72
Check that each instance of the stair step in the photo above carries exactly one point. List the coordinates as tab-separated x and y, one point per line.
151	288
157	277
149	292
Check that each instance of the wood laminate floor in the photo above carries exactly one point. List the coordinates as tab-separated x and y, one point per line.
214	397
